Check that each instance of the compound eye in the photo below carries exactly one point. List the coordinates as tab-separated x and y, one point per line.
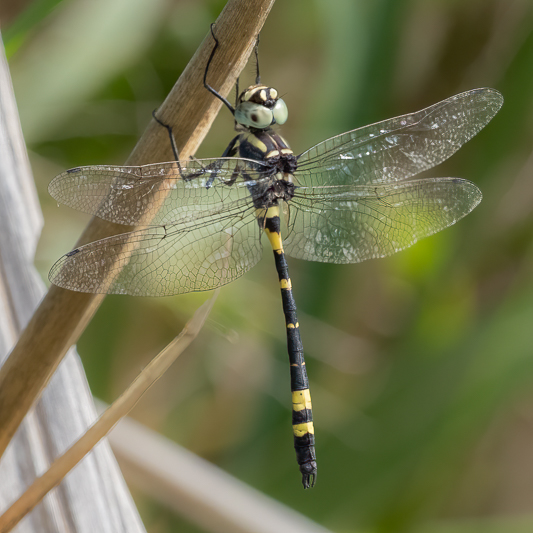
280	111
253	115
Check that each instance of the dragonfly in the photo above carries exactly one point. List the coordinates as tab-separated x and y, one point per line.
199	222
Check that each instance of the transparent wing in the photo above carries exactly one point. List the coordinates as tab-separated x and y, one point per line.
158	193
400	147
197	255
352	223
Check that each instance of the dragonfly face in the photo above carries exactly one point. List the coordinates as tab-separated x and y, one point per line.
259	108
350	198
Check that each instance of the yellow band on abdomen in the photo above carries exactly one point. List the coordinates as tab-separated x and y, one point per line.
285	284
273	236
301	399
300	430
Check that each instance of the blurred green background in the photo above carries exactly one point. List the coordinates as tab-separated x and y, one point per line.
421	365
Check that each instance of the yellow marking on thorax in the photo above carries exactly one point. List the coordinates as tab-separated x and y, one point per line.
260	145
301	399
284	141
299	430
294	326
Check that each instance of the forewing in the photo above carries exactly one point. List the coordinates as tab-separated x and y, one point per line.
155	194
400	147
198	255
351	223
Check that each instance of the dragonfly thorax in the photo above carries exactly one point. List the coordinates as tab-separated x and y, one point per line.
269	192
259	107
270	149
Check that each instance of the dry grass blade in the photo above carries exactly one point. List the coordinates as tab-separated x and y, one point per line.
120	408
196	490
63	315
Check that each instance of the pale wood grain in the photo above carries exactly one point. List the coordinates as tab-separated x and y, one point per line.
120	408
95	496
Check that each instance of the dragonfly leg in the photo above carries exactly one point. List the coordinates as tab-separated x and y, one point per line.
256	52
173	144
206	85
230	151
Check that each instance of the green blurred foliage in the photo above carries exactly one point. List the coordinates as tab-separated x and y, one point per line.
421	365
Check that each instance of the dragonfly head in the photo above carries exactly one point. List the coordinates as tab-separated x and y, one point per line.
259	107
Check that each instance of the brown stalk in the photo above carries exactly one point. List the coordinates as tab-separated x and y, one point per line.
190	109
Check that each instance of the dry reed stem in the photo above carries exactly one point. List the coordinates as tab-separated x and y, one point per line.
63	315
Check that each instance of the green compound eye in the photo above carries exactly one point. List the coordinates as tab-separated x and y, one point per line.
253	115
280	111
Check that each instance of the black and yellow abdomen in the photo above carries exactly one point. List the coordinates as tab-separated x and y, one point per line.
270	148
302	416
